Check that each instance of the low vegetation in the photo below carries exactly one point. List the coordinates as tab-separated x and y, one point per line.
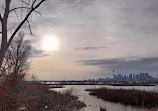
36	97
130	97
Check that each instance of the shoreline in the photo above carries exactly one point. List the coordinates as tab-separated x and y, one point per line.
132	84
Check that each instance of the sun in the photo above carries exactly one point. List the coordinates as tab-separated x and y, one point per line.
50	43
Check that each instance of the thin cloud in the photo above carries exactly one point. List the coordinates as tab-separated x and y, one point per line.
37	53
90	48
149	64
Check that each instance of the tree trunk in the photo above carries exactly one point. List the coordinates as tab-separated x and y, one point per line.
2	53
4	31
3	44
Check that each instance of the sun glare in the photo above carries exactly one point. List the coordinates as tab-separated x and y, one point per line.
50	43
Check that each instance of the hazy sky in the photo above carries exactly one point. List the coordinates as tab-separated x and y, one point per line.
94	36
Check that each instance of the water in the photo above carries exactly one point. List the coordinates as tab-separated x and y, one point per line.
93	103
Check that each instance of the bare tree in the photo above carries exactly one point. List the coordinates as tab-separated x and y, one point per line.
26	8
16	58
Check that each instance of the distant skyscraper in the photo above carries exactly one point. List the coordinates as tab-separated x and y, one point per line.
113	72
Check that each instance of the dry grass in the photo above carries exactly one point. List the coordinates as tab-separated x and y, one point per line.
131	96
35	97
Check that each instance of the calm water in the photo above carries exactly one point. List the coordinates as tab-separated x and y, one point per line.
93	103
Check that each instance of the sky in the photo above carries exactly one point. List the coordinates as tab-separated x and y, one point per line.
95	36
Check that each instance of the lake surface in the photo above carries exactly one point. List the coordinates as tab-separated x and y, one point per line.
93	103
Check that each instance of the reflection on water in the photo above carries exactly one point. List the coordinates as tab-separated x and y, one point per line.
93	103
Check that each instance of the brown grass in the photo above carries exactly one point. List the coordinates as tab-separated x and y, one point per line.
130	97
35	97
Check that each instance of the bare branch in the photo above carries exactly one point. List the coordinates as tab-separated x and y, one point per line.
19	8
25	2
37	12
34	2
24	8
16	14
12	27
24	20
29	27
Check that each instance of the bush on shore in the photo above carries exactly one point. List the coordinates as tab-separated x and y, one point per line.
130	96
